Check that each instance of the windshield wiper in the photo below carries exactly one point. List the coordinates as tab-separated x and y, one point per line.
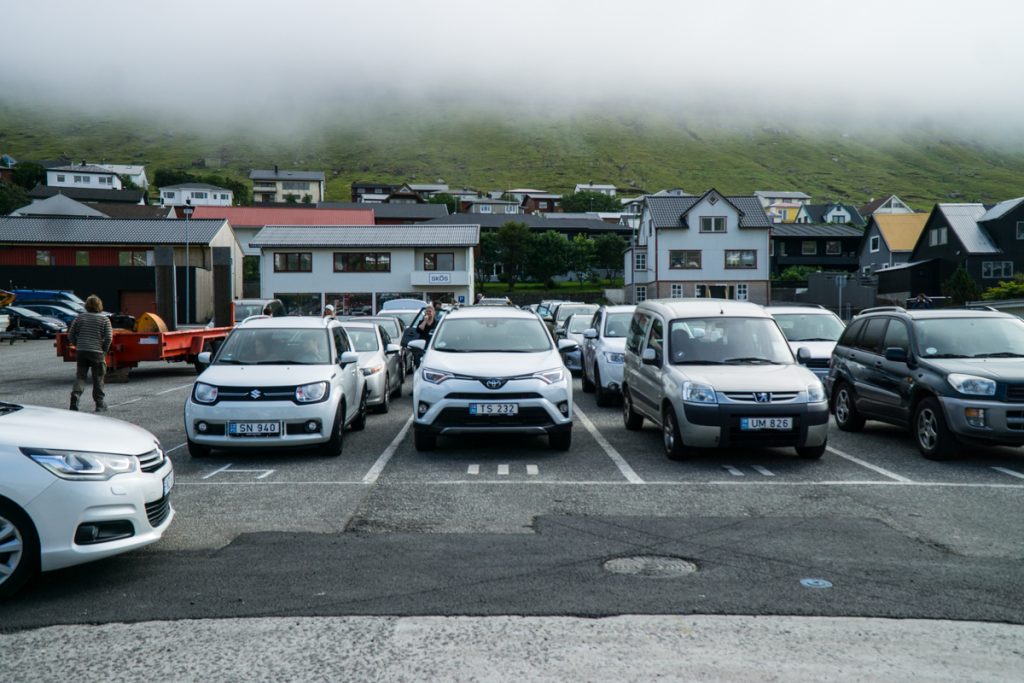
999	354
232	361
750	359
812	339
696	362
945	355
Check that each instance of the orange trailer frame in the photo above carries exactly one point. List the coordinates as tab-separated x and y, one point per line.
131	348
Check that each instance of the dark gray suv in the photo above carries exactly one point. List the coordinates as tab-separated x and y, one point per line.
952	375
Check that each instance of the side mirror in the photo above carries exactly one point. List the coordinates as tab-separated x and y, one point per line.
590	333
418	344
548	317
348	358
392	349
896	354
204	358
803	354
649	356
567	345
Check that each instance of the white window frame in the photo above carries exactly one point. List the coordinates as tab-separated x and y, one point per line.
640	260
676	291
938	236
875	244
641	293
741	291
713	222
511	208
198	195
486	208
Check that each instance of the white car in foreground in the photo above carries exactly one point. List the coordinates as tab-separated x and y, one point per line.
76	487
492	369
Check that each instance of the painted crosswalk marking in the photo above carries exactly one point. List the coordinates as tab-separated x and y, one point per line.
502	470
473	469
732	470
763	470
532	470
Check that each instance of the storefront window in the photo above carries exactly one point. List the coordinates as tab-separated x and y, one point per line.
301	304
351	303
388	296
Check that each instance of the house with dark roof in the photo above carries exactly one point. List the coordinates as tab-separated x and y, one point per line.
825	246
89	195
889	240
85	176
710	245
362	189
62	205
540	202
280	187
115	259
887	204
568	226
358	268
833	212
393	214
196	194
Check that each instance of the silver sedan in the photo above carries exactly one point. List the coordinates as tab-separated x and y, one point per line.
379	361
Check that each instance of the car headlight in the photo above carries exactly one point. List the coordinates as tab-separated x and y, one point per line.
550	376
204	393
815	393
613	357
695	392
82	465
311	393
372	370
436	376
971	385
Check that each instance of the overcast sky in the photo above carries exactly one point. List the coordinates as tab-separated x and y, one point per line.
955	62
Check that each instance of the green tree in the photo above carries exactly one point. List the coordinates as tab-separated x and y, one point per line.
448	200
489	255
1006	289
796	273
12	197
609	248
549	252
513	251
580	202
27	175
961	288
582	256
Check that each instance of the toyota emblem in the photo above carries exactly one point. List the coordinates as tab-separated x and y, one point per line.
494	383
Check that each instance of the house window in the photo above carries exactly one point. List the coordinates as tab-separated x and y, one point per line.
937	236
833	248
511	208
839	218
295	186
712	223
1020	230
135	257
439	261
641	293
81	258
684	259
782	248
698	291
771	248
169	195
60	177
485	208
640	261
82	179
199	195
677	291
997	270
293	262
362	262
224	196
740	258
875	244
808	248
105	180
742	291
44	257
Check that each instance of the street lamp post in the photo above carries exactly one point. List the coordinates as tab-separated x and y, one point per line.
188	216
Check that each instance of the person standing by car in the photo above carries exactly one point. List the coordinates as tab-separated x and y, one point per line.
428	324
91	334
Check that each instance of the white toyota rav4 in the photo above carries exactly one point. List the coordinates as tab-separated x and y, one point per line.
492	369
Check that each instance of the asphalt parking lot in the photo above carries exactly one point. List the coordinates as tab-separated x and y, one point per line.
498	526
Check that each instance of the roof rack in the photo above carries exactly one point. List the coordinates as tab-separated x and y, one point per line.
877	309
801	304
980	307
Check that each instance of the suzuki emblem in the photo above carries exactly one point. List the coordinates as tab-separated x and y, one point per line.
255	393
763	397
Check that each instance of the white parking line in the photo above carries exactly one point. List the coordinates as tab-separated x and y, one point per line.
171	450
124	403
619	461
680	484
382	461
503	470
473	469
532	470
763	470
178	388
732	470
1012	473
874	468
217	471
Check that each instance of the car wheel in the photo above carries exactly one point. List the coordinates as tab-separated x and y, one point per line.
198	450
933	437
398	387
632	420
588	386
424	441
358	423
385	405
560	440
671	438
19	549
332	448
844	407
604	397
811	452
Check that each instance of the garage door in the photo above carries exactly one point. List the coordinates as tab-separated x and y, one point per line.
137	303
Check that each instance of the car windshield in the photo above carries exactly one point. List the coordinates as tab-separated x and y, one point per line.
805	327
405	316
728	341
565	311
492	335
275	346
617	324
579	323
970	337
392	327
23	311
243	311
363	338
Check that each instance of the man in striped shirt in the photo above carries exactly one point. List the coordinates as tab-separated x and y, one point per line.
91	334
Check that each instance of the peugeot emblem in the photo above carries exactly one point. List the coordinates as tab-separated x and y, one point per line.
763	397
493	383
255	393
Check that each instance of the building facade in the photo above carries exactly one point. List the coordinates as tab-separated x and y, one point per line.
275	186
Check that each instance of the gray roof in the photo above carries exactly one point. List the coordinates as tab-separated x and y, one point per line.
963	219
144	232
195	186
58	205
88	168
285	175
385	210
667	212
88	194
367	236
815	230
817	212
781	194
1001	209
540	223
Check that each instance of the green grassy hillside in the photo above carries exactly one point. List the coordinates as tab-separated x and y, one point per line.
487	151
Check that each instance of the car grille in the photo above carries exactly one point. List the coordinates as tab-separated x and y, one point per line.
158	510
750	397
1015	420
529	416
152	461
256	393
1015	392
820	363
492	396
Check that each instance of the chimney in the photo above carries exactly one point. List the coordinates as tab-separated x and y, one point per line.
275	169
83	162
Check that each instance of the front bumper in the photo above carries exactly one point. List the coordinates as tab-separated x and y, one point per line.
1003	422
718	426
293	417
136	498
447	407
376	387
573	360
611	374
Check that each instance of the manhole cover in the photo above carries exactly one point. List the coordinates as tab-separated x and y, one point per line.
656	566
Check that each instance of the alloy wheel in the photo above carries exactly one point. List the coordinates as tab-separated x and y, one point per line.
927	429
12	549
